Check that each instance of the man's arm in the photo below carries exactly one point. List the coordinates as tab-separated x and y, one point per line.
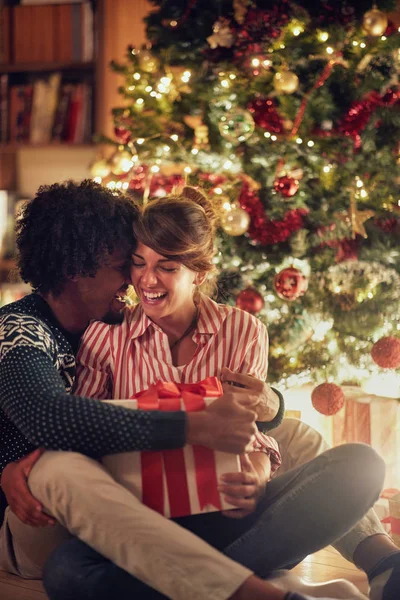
32	395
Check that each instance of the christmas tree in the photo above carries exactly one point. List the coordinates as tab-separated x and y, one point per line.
287	113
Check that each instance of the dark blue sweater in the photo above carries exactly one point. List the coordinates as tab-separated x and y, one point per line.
37	370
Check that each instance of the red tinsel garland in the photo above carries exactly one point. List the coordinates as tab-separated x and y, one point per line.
262	229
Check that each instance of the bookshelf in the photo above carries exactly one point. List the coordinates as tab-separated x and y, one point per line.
47	96
45	67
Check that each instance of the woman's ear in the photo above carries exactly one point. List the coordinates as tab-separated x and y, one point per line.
200	279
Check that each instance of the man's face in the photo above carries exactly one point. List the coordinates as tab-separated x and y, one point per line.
98	295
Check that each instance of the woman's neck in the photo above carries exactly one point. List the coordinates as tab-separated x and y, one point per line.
176	324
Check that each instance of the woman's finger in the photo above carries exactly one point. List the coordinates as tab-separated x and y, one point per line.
241	478
238	491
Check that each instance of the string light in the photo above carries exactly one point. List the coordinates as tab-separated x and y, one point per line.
323	36
136	76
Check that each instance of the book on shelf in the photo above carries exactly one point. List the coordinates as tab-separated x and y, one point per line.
4	108
7	221
5	24
45	110
53	32
44	105
20	112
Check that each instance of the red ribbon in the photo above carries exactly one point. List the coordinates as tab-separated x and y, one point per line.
166	396
319	83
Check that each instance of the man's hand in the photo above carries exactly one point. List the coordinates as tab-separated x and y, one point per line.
226	424
245	489
268	402
14	484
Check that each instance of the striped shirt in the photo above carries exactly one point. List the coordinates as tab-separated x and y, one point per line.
118	361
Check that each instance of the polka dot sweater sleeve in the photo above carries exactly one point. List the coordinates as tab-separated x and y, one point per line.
35	409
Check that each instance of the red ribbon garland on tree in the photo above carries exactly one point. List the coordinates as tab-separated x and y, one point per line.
262	229
319	83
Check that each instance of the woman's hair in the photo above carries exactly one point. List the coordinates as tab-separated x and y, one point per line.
69	230
181	227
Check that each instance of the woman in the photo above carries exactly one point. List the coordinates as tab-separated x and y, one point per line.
178	334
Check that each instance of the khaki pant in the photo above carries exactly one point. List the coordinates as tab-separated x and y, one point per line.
88	503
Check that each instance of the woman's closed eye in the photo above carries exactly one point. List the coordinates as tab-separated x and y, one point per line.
161	267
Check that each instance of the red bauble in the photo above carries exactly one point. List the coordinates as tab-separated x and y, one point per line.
122	134
265	115
287	186
327	398
250	300
290	284
386	352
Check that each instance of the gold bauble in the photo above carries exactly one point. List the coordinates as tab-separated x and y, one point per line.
236	126
100	168
286	82
148	62
235	221
375	22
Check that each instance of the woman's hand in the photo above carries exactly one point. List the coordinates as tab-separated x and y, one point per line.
14	484
245	489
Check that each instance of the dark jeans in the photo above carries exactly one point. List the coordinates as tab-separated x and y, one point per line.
301	512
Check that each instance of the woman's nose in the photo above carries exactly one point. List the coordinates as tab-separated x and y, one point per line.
149	277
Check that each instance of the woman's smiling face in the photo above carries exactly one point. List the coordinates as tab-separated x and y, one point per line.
164	286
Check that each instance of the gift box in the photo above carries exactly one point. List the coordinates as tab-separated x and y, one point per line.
177	482
394	517
381	507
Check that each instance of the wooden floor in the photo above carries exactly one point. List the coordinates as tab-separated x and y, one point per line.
322	566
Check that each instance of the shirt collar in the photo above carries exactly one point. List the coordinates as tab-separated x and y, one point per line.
210	320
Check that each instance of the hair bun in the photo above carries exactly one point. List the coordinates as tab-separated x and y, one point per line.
199	198
193	194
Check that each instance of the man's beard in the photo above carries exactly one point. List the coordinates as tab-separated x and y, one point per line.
113	317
